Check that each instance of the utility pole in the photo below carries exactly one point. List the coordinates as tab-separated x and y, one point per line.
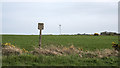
60	28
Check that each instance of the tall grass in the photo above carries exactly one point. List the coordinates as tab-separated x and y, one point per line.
72	60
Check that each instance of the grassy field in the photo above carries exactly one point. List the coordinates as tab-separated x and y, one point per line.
86	42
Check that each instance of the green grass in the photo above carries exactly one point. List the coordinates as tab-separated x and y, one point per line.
85	42
31	60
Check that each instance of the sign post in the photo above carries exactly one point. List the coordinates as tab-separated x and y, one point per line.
40	27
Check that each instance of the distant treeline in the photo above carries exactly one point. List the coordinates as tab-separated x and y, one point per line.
109	33
105	33
102	33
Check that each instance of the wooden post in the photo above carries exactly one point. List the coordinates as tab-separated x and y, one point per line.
40	27
40	39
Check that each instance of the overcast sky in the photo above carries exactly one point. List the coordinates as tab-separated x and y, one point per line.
75	17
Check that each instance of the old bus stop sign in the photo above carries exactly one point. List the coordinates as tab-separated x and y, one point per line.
40	26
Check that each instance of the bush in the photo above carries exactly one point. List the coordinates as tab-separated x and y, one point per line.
116	46
96	34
